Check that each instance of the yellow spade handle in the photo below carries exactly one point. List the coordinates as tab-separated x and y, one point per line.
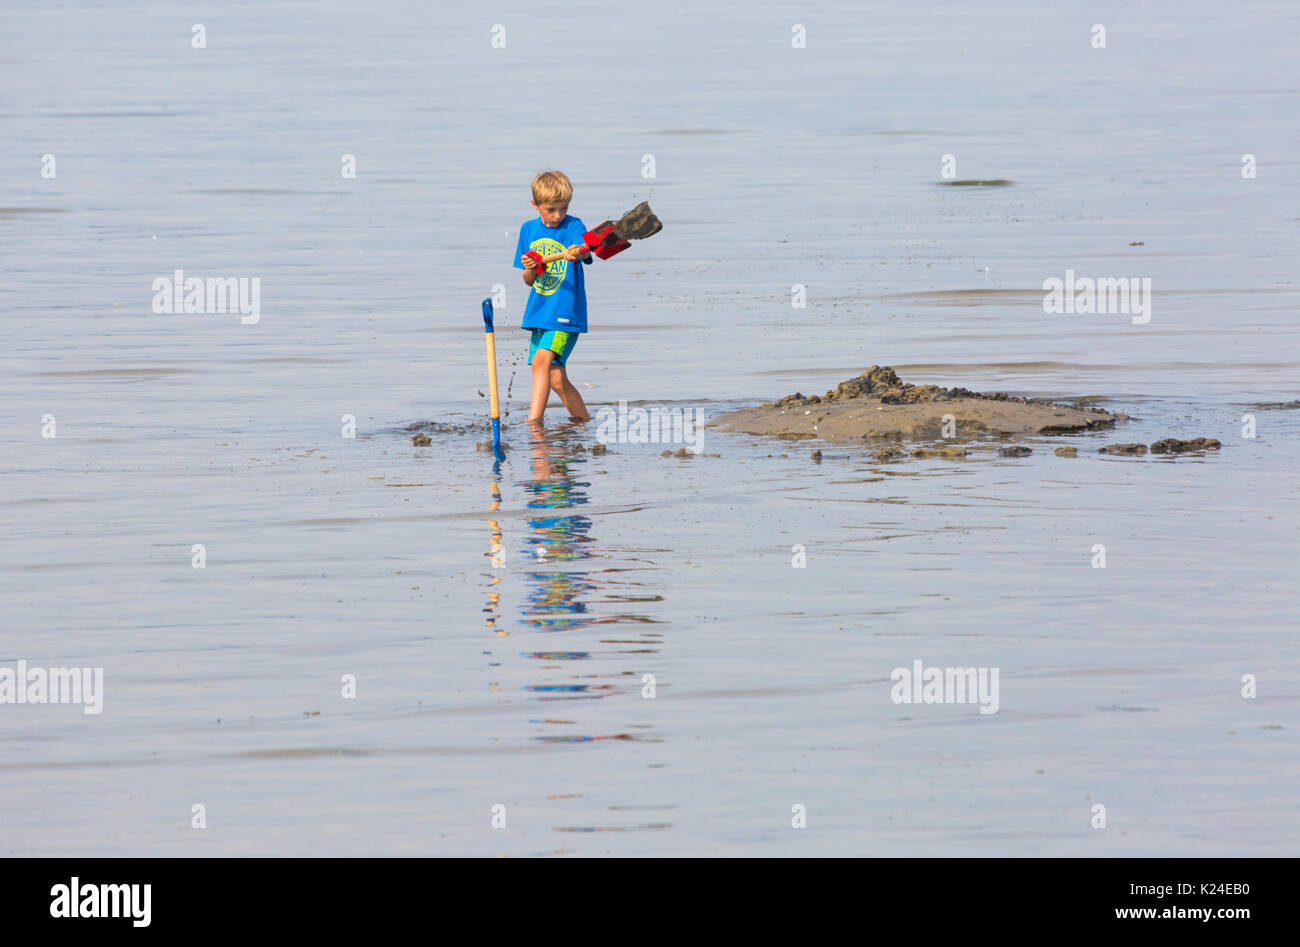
562	254
492	375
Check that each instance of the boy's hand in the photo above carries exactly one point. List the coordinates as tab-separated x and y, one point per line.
530	260
576	251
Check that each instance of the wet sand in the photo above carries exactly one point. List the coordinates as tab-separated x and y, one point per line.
879	404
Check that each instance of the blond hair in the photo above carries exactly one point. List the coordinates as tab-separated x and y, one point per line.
552	187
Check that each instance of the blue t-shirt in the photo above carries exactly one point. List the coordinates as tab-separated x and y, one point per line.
558	300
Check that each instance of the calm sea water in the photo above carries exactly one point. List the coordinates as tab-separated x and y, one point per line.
522	685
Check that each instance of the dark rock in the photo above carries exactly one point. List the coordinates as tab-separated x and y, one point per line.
1172	445
950	453
1130	449
1017	451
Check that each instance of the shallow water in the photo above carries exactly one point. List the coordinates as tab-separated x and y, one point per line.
522	685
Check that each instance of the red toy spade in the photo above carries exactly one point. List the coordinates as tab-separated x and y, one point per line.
610	237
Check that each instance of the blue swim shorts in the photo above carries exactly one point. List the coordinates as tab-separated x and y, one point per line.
556	340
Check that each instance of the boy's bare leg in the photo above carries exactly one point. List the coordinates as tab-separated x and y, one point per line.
541	384
568	394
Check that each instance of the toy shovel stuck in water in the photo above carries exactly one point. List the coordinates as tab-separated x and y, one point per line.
612	237
497	452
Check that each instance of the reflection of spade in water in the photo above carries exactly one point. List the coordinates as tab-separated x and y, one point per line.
497	557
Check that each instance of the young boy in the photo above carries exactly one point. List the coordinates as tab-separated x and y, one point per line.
557	306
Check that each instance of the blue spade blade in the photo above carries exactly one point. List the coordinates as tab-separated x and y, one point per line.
497	452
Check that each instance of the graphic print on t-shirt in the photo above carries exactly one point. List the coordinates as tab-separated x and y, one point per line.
550	281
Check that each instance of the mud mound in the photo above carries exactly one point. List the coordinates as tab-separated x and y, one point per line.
884	384
878	403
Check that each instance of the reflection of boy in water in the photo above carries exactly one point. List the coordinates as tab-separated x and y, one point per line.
555	594
553	488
